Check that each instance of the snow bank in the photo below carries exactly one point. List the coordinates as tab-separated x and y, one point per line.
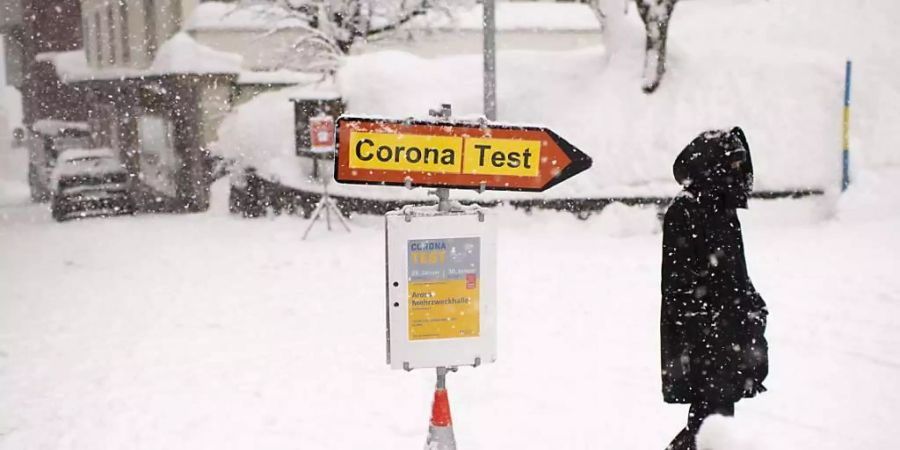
731	63
182	54
259	131
871	195
632	137
784	105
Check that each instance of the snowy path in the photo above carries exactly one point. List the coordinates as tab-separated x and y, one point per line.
206	331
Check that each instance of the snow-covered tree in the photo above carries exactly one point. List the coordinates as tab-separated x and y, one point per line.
656	15
333	26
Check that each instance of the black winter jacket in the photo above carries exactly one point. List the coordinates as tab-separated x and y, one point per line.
713	320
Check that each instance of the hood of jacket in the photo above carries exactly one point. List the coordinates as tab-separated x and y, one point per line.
716	165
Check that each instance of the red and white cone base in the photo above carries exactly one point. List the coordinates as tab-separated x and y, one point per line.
440	430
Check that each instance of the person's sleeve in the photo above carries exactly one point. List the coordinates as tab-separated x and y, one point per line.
679	259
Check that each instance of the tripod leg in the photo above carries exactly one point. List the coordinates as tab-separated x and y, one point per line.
337	212
327	203
315	216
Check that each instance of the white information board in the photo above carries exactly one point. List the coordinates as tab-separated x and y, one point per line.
441	288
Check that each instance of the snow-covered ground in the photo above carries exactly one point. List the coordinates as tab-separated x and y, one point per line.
209	331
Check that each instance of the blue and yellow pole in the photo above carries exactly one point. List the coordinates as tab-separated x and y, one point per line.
845	174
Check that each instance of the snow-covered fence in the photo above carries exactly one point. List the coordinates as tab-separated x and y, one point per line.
254	196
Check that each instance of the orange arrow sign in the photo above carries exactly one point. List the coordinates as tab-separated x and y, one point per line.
463	155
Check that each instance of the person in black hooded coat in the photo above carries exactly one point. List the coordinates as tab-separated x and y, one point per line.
713	321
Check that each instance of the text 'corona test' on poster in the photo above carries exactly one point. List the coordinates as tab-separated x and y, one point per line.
443	288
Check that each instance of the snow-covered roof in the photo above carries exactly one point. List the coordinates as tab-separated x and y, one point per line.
51	127
179	55
70	66
182	54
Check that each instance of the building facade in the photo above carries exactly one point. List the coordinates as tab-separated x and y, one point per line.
122	70
152	99
128	33
33	27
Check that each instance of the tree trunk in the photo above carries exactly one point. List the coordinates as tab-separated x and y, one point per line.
656	15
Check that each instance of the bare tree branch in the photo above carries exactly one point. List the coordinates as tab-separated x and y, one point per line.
332	27
423	8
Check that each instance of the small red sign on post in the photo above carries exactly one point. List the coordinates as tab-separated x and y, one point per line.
321	130
453	154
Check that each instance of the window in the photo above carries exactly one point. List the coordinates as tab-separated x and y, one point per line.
104	126
111	26
159	162
123	30
87	38
98	39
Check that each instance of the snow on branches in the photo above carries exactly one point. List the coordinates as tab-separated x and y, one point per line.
331	27
655	15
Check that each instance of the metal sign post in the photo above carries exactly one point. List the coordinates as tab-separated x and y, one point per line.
443	206
441	287
441	259
490	59
845	152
